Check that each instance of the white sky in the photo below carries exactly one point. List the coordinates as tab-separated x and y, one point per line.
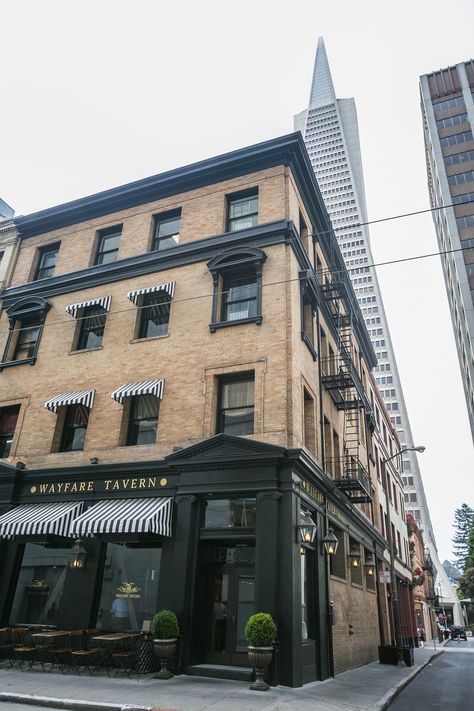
96	94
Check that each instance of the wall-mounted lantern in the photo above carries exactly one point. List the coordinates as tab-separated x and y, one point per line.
369	565
354	556
330	542
306	529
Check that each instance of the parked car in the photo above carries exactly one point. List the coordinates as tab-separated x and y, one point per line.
458	632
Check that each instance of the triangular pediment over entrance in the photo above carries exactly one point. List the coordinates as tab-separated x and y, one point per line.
224	446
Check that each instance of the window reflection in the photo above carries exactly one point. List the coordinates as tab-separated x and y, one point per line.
230	513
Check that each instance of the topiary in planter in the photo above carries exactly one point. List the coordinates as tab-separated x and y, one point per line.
164	625
165	630
260	632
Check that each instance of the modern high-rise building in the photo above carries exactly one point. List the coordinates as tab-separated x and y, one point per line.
448	122
330	130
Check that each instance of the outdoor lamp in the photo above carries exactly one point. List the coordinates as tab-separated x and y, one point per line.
78	556
330	542
369	565
306	528
354	556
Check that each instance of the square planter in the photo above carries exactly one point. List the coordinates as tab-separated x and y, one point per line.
388	654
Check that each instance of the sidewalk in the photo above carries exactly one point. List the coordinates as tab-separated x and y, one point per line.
368	688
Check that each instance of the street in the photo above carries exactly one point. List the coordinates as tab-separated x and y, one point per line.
448	682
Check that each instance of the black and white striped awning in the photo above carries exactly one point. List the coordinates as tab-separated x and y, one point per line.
40	519
125	516
81	397
167	288
145	387
104	301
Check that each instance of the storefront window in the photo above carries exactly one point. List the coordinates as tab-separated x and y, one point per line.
39	591
230	513
129	594
307	594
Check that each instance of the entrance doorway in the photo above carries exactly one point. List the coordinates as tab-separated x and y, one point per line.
230	600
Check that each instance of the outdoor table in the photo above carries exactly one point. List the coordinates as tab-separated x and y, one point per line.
50	634
105	644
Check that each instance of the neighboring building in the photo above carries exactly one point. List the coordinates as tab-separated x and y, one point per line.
423	571
184	383
330	130
392	524
448	122
8	244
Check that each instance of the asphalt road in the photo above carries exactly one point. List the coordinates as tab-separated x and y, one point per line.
446	683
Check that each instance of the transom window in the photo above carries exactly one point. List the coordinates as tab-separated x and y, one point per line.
239	296
143	421
108	245
8	420
242	212
154	315
166	232
91	328
47	261
236	405
76	420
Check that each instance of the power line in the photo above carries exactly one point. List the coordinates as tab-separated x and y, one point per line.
209	295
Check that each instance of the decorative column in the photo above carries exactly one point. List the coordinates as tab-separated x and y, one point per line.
266	560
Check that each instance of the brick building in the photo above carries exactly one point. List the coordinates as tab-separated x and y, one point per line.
184	379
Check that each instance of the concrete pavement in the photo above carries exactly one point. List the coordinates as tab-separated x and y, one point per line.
368	688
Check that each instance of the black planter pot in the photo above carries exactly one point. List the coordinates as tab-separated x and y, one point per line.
165	649
389	654
260	658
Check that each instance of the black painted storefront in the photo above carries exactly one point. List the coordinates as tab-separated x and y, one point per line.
214	571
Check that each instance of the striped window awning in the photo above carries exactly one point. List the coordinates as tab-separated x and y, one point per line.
167	288
40	519
104	301
145	387
125	516
81	397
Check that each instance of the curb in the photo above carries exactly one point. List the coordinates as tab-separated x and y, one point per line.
52	702
392	693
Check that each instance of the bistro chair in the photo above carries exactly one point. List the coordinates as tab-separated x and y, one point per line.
24	651
127	660
61	656
85	655
6	649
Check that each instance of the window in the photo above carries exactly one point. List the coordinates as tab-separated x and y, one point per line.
8	420
356	571
230	513
337	562
108	245
91	328
75	427
26	319
242	211
237	296
307	581
143	421
47	261
369	578
28	332
166	231
154	315
309	427
236	405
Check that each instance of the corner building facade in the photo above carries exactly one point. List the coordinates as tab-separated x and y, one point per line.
183	383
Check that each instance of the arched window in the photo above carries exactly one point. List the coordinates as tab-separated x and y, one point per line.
237	298
26	318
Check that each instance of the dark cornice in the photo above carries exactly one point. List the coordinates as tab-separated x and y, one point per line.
284	150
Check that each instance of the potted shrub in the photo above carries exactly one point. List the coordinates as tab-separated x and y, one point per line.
165	630
260	633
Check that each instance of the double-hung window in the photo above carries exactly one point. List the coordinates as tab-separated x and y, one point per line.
8	420
91	328
154	315
76	420
235	414
29	329
242	211
108	245
237	298
143	420
166	231
47	261
26	319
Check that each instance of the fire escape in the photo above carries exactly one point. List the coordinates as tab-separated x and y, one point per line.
342	380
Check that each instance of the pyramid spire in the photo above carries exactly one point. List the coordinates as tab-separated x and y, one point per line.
322	89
